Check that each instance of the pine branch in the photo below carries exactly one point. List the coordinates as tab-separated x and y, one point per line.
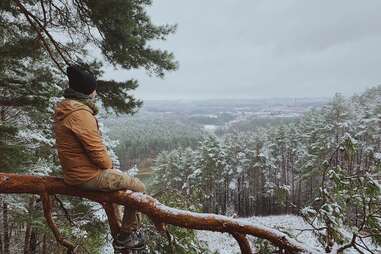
40	29
47	206
16	102
45	186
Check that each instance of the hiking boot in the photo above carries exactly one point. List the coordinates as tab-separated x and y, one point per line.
134	240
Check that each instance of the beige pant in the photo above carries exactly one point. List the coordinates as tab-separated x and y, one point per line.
113	180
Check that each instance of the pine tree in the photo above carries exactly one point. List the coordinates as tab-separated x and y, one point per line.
210	166
325	166
38	40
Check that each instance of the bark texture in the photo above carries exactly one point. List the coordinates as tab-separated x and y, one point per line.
46	186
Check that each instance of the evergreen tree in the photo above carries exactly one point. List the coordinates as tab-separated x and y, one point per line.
39	39
326	167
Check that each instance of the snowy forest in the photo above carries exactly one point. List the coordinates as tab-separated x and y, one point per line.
287	173
278	170
323	166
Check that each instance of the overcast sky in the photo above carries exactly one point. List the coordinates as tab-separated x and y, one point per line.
266	48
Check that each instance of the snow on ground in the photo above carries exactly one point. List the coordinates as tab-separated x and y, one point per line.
222	243
226	244
292	225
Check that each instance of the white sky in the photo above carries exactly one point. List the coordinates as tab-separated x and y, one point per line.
266	48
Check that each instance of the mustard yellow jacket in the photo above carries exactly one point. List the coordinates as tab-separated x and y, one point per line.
81	151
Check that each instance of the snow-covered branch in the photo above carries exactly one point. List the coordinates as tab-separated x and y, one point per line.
157	212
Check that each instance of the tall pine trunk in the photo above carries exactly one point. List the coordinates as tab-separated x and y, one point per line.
6	238
44	247
28	229
33	242
27	237
1	230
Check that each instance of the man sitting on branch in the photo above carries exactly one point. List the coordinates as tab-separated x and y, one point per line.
83	155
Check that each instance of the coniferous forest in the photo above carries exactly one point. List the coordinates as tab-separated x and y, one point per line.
306	166
324	167
277	170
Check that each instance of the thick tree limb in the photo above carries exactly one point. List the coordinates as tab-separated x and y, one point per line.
243	243
45	186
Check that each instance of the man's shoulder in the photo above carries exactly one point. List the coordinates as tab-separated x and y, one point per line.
72	105
81	114
68	107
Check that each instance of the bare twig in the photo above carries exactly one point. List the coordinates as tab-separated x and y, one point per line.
66	212
42	27
40	35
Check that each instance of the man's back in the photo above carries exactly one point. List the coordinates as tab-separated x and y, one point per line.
80	148
84	158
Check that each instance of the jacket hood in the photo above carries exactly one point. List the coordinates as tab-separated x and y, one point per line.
66	107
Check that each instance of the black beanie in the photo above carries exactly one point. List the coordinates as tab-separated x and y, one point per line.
81	81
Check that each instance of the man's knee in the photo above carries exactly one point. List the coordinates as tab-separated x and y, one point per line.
135	184
118	180
140	187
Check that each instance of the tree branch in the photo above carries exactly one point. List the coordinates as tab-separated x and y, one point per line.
16	102
29	16
45	186
244	244
67	215
47	206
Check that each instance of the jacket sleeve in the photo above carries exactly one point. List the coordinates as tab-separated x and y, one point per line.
83	124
